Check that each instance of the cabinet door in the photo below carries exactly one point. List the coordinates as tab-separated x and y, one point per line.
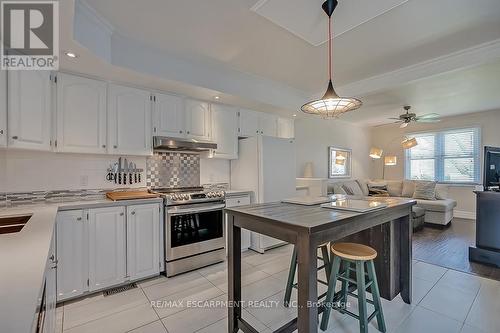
248	123
3	108
143	241
169	116
72	254
234	202
286	128
29	109
81	115
198	120
107	254
49	324
129	121
268	124
224	125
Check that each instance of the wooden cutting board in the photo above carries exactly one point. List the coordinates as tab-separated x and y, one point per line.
130	195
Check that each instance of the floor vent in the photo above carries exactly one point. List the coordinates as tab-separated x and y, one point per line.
119	289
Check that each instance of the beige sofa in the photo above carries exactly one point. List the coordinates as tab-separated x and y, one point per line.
437	212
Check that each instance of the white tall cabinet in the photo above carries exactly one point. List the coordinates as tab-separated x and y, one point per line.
198	120
81	115
72	253
3	108
107	247
253	123
143	241
129	121
286	128
224	128
169	116
29	109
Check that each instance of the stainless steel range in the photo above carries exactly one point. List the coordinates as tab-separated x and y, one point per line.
194	228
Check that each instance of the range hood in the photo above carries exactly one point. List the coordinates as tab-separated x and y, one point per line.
161	143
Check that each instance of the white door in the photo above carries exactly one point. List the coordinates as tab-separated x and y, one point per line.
225	131
49	324
248	123
29	109
72	253
107	255
268	124
81	114
285	128
3	108
129	121
169	116
198	120
143	241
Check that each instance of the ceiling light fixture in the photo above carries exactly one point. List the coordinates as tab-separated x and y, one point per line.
408	143
216	97
331	105
70	54
376	152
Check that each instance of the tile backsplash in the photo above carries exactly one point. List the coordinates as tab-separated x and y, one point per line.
173	169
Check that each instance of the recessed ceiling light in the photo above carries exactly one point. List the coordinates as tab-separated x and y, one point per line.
70	54
216	97
295	115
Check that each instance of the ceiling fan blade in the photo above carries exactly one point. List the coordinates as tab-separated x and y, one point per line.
428	116
392	118
403	125
429	120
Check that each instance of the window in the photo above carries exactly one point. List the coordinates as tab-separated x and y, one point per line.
448	156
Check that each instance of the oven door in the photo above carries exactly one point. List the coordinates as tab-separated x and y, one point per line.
194	229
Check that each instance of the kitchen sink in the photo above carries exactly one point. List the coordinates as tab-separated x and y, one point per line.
12	224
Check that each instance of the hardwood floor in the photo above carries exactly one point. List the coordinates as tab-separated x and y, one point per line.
450	248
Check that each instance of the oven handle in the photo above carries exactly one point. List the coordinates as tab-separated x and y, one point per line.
181	211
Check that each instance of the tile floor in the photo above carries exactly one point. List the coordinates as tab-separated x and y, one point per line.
444	301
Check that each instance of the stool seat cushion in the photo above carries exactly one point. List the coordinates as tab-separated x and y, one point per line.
354	251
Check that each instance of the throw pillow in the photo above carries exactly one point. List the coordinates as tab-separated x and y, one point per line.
425	190
408	188
337	189
395	188
441	191
363	185
351	187
377	190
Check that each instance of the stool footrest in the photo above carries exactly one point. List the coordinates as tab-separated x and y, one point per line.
356	296
347	279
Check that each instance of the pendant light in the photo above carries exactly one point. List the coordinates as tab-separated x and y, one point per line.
331	105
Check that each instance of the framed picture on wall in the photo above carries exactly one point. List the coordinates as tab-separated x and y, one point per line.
339	162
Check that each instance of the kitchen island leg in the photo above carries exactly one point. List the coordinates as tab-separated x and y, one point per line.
307	280
234	275
406	258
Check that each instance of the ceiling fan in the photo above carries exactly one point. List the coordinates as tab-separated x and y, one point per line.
406	118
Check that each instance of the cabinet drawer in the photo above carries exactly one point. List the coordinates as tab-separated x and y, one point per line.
238	201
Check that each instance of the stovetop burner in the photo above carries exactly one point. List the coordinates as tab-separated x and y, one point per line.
186	195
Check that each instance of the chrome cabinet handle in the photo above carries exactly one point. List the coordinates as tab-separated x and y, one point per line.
115	146
133	213
52	257
103	146
78	218
15	137
121	214
187	132
180	131
257	132
1	131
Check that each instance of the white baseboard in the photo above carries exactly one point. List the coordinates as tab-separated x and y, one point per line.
464	214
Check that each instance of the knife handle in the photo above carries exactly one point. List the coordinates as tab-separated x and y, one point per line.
119	177
130	178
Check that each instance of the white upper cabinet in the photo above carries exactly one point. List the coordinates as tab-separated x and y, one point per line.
198	120
81	115
249	123
129	121
268	124
169	116
143	240
3	108
286	128
107	254
72	254
252	123
29	109
225	131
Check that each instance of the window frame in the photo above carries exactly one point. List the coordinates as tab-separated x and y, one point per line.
439	156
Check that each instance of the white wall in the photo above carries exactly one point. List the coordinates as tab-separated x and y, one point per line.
389	138
314	135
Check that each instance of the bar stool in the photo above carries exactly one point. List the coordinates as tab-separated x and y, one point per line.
325	257
347	254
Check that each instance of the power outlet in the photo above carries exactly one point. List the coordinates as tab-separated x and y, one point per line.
84	180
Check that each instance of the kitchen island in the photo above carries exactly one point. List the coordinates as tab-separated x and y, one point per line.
388	230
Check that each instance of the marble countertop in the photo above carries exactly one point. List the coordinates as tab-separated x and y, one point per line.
23	257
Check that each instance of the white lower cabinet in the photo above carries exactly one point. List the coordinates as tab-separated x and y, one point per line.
107	247
143	241
49	323
100	248
3	108
234	201
72	254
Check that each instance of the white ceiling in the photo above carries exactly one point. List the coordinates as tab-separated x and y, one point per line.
272	52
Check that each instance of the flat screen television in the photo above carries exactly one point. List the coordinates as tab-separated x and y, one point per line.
491	168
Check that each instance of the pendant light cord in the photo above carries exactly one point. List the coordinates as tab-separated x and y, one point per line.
330	47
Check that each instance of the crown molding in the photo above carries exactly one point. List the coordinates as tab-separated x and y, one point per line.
466	58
